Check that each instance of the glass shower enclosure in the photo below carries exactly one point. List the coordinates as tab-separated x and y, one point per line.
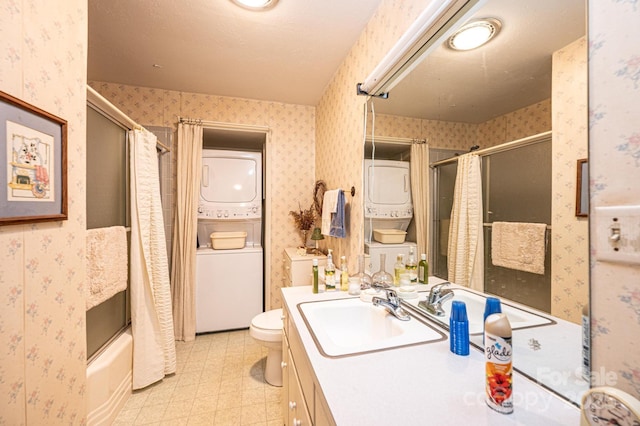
516	184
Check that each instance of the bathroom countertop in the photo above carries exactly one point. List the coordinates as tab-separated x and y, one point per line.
422	384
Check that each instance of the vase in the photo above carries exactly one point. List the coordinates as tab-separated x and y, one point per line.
382	277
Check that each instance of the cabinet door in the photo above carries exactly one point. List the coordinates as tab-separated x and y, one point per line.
285	380
297	414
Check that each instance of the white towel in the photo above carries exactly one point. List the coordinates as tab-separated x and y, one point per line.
329	205
107	264
518	246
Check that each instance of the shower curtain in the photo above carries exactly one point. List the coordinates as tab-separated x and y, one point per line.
185	231
154	351
466	246
420	194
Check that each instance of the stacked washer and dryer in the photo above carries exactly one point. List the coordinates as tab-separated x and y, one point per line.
229	282
387	205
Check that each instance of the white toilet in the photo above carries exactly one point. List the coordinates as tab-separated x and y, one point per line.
266	329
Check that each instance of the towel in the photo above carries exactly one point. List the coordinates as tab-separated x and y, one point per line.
518	246
107	264
337	218
329	206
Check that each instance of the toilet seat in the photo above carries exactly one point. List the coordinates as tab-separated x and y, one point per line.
267	326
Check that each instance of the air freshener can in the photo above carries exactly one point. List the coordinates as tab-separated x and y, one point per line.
498	363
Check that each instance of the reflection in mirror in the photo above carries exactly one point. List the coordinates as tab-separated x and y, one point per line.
527	82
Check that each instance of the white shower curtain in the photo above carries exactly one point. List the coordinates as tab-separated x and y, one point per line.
154	351
466	246
185	231
420	194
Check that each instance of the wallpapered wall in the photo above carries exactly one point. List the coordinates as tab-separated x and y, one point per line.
614	155
43	61
570	247
291	165
340	114
518	124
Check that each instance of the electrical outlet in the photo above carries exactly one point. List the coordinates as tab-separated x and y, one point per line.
618	234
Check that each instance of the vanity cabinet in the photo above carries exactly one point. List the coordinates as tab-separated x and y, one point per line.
298	267
302	398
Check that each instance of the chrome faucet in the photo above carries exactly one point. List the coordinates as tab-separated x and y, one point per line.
437	296
391	304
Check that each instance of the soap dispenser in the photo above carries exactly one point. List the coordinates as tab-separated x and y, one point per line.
330	272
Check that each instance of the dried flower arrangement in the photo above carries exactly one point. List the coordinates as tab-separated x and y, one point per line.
304	219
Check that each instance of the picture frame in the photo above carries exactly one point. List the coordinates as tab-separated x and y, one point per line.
582	188
33	163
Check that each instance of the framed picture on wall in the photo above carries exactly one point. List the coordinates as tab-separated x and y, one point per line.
582	188
33	163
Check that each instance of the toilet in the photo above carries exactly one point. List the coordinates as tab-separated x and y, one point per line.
266	329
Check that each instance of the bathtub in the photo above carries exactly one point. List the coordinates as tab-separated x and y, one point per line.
109	380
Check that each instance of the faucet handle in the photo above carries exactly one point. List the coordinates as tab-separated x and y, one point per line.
392	296
435	290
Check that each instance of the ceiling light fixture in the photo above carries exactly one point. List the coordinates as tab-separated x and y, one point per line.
256	4
474	34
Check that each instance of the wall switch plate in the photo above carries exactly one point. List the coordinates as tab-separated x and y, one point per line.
618	234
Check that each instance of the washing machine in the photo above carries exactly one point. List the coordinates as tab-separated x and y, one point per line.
375	249
229	282
387	201
228	288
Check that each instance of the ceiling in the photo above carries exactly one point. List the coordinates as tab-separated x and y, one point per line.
286	54
510	72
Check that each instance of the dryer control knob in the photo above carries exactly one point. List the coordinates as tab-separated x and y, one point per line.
226	213
219	214
199	209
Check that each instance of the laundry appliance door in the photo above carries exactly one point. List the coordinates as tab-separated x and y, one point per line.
229	288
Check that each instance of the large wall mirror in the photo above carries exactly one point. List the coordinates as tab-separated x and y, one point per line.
520	102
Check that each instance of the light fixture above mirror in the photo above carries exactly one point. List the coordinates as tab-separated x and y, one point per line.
474	34
255	4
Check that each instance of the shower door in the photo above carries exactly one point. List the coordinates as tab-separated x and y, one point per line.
516	187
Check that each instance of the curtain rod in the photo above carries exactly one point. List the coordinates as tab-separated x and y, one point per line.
529	140
225	126
101	104
391	139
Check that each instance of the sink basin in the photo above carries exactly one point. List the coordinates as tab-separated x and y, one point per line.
346	327
518	318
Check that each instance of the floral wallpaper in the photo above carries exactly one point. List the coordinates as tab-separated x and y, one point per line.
515	125
614	168
570	234
340	112
43	55
290	169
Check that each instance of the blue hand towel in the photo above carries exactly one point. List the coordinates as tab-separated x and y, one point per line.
337	218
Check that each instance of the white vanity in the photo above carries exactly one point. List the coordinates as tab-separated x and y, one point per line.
415	382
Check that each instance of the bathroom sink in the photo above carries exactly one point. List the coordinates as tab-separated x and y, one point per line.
518	318
347	327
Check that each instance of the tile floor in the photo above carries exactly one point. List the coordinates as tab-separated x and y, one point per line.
219	381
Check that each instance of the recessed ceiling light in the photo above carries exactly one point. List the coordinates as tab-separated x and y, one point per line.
474	34
256	4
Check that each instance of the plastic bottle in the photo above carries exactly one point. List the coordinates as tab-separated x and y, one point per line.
498	363
423	270
398	269
586	347
330	272
412	266
344	274
314	268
